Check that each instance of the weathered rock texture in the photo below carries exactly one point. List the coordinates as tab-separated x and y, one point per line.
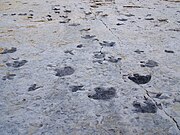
89	67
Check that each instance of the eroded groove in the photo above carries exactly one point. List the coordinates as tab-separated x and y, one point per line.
110	30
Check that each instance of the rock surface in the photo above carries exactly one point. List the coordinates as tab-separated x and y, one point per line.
74	67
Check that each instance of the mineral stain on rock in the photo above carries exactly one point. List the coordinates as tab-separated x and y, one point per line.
146	107
103	93
64	71
17	64
108	44
140	79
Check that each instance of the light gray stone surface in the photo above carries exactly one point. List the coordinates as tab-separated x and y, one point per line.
89	67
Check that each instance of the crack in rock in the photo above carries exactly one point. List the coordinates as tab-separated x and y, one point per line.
140	79
110	30
160	107
103	93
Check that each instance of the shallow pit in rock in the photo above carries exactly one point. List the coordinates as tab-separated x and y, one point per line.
140	79
66	71
103	93
145	107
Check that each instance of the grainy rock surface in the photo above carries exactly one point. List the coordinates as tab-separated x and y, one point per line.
89	67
